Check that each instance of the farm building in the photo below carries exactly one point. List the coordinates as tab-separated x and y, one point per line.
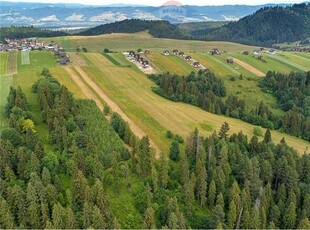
146	52
64	61
215	51
176	52
261	58
272	51
256	52
188	58
132	53
197	64
230	60
181	54
245	52
145	64
166	52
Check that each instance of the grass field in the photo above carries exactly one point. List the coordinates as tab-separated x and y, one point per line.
154	114
25	59
5	83
303	62
39	60
3	63
11	63
122	42
171	63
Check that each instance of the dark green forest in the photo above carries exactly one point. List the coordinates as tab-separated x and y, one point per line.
159	29
219	181
267	26
14	32
207	91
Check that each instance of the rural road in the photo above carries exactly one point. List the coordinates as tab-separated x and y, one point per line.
249	67
114	107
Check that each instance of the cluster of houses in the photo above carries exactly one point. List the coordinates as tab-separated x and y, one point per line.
27	44
62	57
137	58
187	58
300	49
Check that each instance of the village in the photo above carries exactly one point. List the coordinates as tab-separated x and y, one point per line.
30	44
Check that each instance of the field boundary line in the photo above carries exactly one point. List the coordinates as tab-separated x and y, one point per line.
114	107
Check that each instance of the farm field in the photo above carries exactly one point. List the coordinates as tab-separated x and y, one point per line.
171	63
154	114
25	59
245	88
303	61
11	63
5	83
141	40
3	63
266	66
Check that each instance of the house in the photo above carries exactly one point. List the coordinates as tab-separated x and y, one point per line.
62	54
181	54
57	53
132	53
245	52
63	61
136	57
175	52
166	52
146	52
197	64
215	51
60	48
272	51
188	58
230	60
256	52
206	69
145	64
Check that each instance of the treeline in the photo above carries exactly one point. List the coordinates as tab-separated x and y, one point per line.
159	29
293	96
267	26
14	32
207	91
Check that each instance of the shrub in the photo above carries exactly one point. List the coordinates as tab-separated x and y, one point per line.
169	134
258	131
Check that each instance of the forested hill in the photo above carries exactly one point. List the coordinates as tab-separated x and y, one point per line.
14	32
267	26
159	29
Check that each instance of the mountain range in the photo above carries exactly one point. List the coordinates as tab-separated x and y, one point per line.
63	15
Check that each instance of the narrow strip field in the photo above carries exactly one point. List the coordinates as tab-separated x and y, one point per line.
5	83
3	63
25	59
76	59
12	63
249	67
135	129
301	60
132	93
287	62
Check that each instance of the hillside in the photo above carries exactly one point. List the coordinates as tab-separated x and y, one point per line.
159	29
267	26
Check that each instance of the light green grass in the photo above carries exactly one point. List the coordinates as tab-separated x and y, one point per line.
25	57
289	63
172	63
143	40
3	63
5	83
294	58
39	60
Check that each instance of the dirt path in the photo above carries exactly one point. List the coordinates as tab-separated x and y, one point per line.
88	93
114	107
249	67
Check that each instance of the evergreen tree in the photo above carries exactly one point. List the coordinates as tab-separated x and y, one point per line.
149	219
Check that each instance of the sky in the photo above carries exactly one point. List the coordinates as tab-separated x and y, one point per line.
161	2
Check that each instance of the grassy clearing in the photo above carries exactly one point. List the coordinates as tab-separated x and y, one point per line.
3	63
5	83
39	60
154	114
142	40
171	63
11	63
25	59
61	75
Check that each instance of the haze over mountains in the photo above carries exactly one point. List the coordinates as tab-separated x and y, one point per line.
77	15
